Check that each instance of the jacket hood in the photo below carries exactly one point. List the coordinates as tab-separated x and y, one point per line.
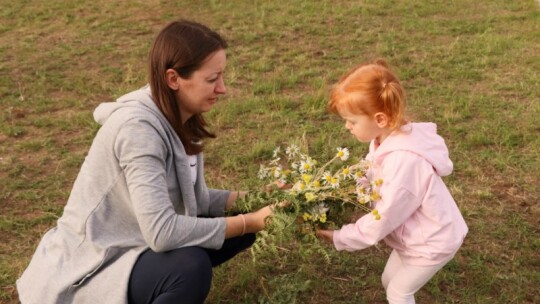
421	139
141	99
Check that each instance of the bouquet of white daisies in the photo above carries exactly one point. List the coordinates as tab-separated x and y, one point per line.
314	194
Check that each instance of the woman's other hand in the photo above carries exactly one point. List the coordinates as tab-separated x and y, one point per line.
277	185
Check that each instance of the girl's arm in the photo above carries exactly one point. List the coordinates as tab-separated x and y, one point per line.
405	175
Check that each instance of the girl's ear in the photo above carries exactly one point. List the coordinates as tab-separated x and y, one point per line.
172	78
381	119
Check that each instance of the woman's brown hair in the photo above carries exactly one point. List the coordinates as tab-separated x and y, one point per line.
182	46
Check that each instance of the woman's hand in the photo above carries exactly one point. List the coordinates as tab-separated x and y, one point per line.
247	223
257	220
326	235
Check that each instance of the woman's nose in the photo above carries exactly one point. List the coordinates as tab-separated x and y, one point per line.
220	87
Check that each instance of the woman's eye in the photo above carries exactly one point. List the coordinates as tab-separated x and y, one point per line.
212	80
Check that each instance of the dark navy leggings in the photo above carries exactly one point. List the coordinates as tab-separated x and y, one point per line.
182	275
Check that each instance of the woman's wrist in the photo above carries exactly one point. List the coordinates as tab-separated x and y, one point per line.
239	225
250	223
243	224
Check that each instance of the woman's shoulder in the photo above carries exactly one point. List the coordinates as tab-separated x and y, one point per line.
137	105
142	94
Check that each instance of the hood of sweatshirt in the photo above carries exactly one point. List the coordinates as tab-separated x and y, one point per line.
141	99
421	139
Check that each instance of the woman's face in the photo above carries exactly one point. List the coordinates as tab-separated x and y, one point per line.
200	92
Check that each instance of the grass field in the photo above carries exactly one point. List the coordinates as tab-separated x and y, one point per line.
470	66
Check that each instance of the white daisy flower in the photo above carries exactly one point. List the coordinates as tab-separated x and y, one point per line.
346	172
334	183
306	165
292	150
327	178
263	172
343	153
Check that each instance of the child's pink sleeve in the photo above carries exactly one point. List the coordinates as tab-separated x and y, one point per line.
368	231
400	200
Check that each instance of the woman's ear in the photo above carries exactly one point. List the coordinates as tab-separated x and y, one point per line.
172	78
381	119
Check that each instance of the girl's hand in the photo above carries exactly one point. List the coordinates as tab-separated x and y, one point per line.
326	235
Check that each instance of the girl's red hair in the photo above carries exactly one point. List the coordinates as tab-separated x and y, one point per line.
369	89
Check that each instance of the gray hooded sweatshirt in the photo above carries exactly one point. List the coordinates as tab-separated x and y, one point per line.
134	191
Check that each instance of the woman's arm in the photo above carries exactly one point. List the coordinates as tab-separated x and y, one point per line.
141	153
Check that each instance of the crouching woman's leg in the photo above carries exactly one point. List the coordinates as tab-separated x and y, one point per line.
182	275
230	248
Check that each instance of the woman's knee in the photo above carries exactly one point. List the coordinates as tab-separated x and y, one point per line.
193	266
182	274
191	275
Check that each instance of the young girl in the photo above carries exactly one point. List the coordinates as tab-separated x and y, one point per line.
419	219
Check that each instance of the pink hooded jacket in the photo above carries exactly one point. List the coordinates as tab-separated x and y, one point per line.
419	218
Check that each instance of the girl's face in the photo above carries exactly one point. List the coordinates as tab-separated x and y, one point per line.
200	92
365	127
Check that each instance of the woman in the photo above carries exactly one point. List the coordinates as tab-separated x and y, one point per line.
140	225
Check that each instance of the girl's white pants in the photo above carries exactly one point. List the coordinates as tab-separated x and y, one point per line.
402	281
